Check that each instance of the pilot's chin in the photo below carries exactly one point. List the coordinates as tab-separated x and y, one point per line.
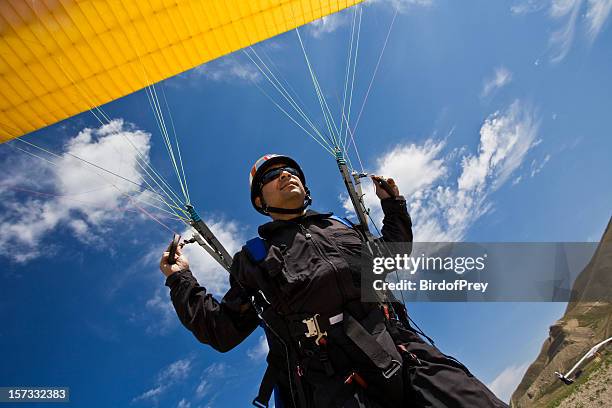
294	191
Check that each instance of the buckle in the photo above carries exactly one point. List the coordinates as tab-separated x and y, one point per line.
259	404
314	330
390	372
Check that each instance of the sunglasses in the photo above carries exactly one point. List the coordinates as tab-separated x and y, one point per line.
275	173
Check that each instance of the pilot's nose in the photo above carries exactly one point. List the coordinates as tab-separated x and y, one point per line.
284	175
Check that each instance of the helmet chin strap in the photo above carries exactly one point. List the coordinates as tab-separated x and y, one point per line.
277	210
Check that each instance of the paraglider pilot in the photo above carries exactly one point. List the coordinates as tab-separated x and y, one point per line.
300	280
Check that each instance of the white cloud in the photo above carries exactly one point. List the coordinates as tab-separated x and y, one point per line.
500	78
217	370
328	24
424	167
87	200
568	11
597	15
562	39
504	142
205	269
184	404
161	305
402	6
175	372
536	168
415	169
569	14
203	389
151	394
213	373
506	382
560	8
230	68
443	210
166	378
259	351
527	7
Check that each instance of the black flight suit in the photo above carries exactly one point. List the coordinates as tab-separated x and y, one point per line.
312	267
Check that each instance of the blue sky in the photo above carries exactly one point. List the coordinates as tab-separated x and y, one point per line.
493	117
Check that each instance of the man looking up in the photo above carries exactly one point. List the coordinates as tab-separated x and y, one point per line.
301	279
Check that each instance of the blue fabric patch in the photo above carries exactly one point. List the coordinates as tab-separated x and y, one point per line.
256	248
343	220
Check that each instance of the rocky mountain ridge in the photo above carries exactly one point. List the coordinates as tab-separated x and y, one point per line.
586	322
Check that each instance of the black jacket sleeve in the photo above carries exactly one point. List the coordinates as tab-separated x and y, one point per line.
397	225
223	325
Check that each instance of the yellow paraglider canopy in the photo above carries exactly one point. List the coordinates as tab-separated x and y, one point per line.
62	57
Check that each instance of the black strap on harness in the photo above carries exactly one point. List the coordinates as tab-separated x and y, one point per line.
277	325
380	350
267	386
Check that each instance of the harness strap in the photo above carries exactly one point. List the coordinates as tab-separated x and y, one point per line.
277	323
268	383
384	356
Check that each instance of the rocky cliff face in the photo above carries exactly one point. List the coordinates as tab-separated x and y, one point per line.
584	324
